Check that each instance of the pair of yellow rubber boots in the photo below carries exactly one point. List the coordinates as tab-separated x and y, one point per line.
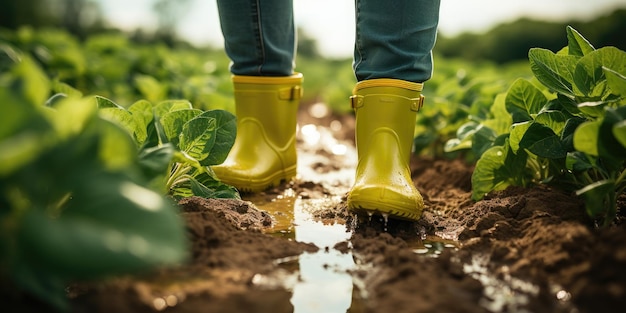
264	152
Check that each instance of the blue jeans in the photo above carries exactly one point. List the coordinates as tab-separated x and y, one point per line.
394	39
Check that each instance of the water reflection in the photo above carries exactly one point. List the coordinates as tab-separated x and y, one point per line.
326	285
325	160
501	292
320	281
323	282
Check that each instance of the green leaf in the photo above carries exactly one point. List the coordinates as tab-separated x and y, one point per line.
143	116
596	196
225	133
589	78
518	130
455	144
568	104
577	44
46	286
216	187
482	140
121	117
593	109
198	137
463	138
553	119
502	120
171	105
467	130
103	102
619	131
578	162
586	137
200	187
548	147
71	116
117	149
154	161
187	160
55	99
616	81
173	122
609	147
142	108
543	142
151	88
31	81
17	115
567	136
496	170
18	151
63	88
423	140
552	70
524	99
98	233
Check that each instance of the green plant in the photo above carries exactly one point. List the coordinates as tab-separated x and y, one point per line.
113	66
566	129
73	201
178	144
458	90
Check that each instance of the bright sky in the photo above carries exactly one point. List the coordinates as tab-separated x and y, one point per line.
331	22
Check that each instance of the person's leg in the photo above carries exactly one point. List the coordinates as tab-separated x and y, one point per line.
394	39
392	59
259	36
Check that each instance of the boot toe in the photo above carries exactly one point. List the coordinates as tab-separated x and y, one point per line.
401	204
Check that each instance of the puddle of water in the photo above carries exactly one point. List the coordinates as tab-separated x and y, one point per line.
500	294
432	246
325	160
319	281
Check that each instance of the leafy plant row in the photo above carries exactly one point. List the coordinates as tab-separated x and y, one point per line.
457	91
113	66
83	180
566	128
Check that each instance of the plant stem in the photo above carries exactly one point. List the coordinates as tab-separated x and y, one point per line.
620	181
179	170
587	178
611	199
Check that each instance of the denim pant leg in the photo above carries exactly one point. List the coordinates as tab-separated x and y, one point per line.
259	36
394	39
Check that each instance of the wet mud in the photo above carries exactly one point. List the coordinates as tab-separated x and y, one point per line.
296	248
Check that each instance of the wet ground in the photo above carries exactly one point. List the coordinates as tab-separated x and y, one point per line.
295	248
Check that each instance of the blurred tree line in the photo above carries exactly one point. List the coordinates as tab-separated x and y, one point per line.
84	17
511	41
79	17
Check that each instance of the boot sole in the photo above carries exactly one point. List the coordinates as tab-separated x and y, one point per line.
258	185
370	207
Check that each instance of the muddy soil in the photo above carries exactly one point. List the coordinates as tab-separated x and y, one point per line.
518	250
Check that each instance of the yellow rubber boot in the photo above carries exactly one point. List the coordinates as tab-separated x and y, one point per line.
264	152
385	110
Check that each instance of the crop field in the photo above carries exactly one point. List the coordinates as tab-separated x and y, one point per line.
108	202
